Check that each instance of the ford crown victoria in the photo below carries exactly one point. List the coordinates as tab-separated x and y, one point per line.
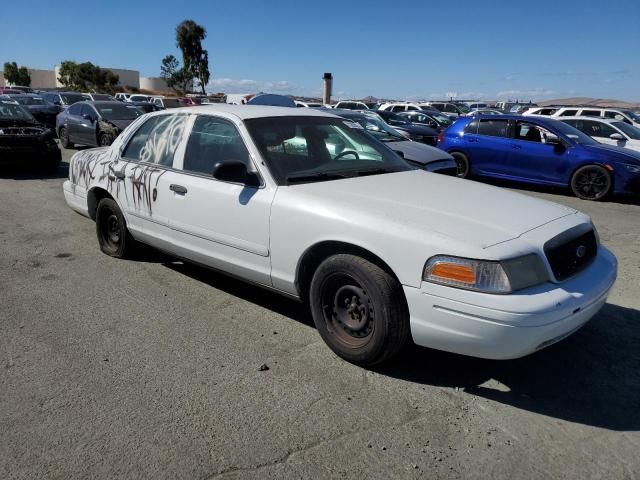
309	205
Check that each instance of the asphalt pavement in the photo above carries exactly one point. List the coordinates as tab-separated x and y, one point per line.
157	369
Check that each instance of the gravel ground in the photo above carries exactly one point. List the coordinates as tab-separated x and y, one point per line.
152	369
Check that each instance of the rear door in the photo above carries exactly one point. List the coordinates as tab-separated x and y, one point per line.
73	121
490	146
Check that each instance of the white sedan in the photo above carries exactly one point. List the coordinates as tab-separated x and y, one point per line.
607	130
384	253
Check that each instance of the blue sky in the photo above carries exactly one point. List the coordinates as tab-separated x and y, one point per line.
411	49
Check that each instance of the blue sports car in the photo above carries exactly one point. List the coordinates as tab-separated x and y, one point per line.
543	151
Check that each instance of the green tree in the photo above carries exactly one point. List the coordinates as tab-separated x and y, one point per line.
87	76
15	75
195	59
177	78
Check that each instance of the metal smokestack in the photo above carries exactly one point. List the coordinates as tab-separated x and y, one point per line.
327	82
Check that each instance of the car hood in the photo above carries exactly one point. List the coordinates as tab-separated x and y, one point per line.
606	151
418	152
430	204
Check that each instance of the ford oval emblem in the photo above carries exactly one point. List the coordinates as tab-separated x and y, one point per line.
581	251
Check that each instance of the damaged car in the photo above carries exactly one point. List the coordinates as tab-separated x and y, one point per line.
24	141
43	111
96	124
310	205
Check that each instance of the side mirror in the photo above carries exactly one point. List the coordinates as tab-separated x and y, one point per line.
235	171
617	136
551	139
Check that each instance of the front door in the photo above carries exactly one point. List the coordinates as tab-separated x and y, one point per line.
536	160
220	224
489	146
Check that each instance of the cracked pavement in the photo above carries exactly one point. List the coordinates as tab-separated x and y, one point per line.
151	369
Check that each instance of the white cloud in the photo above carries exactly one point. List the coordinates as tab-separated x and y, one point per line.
231	85
526	93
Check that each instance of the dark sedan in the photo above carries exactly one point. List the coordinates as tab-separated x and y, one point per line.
25	141
416	132
45	112
94	123
436	120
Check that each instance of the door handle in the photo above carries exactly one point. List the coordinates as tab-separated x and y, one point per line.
179	189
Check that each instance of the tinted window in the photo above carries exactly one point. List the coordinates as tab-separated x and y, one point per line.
493	128
156	140
591	113
397	108
213	140
632	132
568	113
118	111
87	110
75	109
528	132
595	129
616	115
472	127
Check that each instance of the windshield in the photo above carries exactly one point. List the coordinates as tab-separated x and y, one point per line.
71	98
102	96
463	108
118	111
632	115
574	134
30	100
13	111
309	149
377	127
631	132
441	119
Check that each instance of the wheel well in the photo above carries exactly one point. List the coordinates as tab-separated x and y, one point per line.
93	199
592	164
316	254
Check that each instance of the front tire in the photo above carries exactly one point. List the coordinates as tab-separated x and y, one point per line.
591	182
104	140
113	237
463	167
359	309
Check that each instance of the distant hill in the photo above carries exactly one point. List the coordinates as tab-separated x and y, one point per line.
596	102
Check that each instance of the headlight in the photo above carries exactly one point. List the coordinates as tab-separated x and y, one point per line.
632	168
486	275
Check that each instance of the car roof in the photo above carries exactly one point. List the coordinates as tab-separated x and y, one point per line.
245	112
587	117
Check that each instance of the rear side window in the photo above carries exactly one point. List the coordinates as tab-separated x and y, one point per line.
596	129
569	113
397	108
591	113
213	140
493	128
612	114
75	109
156	140
472	127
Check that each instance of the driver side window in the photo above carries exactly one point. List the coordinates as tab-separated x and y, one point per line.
157	140
213	140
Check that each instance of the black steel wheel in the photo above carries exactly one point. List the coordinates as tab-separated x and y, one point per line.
591	182
111	229
63	135
359	309
463	168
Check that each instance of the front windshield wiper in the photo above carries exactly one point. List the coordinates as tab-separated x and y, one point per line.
375	171
315	176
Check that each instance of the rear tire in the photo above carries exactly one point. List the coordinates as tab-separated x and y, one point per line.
113	237
63	135
463	167
359	309
591	182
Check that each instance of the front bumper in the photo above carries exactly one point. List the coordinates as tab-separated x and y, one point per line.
508	326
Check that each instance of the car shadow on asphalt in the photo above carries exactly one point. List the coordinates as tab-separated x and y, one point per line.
565	192
591	378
